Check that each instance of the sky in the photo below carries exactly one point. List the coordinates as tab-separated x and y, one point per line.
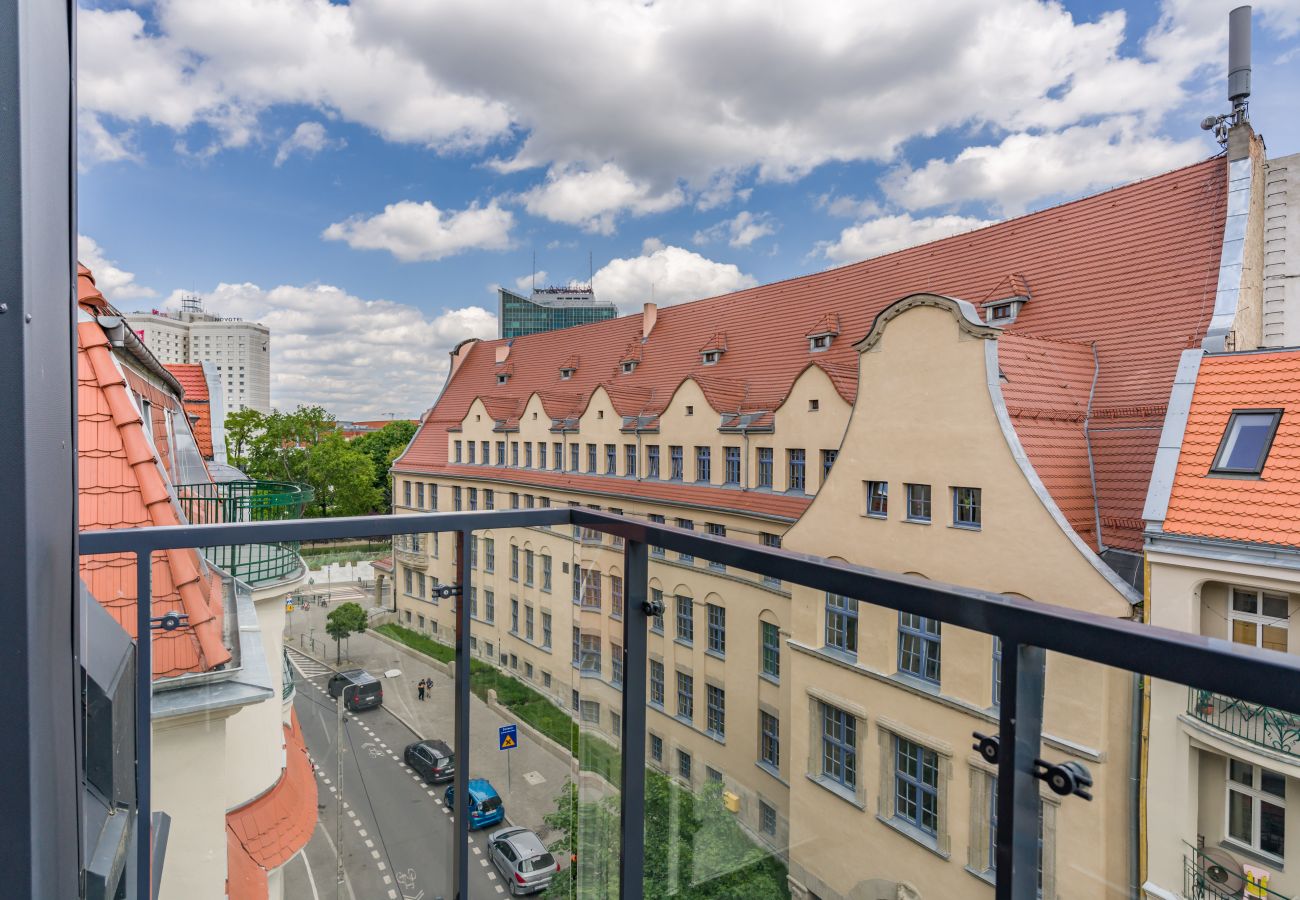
362	177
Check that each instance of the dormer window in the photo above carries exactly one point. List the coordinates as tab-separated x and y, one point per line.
819	343
1001	311
629	367
1246	442
710	357
566	374
502	378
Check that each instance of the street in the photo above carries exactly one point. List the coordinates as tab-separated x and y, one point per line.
396	831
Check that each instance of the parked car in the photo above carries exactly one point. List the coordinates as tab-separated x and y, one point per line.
485	806
431	759
522	859
362	690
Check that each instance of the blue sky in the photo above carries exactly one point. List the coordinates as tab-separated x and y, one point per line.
360	176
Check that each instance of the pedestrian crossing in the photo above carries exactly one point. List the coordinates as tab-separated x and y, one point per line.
309	667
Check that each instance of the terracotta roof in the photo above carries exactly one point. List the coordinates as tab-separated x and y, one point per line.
279	823
383	565
197	403
1132	269
121	484
245	879
1264	510
1008	287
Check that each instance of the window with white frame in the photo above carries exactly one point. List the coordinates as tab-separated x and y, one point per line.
1257	808
1258	618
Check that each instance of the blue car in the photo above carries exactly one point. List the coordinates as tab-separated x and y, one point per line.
485	806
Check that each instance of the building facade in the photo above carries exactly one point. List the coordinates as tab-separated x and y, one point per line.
1223	548
240	351
980	410
548	309
230	767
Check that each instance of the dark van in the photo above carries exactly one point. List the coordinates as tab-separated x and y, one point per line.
361	689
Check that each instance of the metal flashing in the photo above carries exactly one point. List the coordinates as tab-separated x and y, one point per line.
1228	291
1171	437
968	320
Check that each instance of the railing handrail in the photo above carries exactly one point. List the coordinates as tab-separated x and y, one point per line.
1267	677
1027	630
300	493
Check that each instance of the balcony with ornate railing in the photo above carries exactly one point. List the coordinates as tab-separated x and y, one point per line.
1263	726
1212	876
230	502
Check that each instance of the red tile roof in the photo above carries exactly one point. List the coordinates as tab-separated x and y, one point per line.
121	484
265	833
197	403
1264	510
1132	269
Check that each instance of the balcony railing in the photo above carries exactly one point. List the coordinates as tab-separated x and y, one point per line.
1206	878
1027	630
1264	726
229	502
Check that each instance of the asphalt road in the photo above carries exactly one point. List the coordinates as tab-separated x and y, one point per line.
396	832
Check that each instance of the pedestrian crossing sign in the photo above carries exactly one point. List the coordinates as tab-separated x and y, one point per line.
508	737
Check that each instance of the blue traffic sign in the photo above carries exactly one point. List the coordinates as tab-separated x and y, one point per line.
508	737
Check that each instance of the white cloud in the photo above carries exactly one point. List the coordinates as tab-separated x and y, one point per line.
594	198
886	234
309	138
361	359
740	231
96	144
667	275
422	232
845	206
526	282
692	100
113	282
1028	167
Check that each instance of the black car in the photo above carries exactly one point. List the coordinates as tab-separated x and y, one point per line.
431	759
361	689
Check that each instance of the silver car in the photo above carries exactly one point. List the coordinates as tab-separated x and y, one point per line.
522	859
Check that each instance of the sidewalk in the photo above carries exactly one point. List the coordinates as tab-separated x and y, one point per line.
536	772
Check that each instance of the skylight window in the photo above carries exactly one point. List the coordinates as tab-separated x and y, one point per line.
1246	441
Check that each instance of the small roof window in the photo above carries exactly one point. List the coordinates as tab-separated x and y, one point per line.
1246	441
629	367
566	374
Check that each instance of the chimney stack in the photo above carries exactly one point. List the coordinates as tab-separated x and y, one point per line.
649	315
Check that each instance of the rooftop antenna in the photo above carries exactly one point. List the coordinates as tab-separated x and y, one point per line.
534	270
1238	77
591	272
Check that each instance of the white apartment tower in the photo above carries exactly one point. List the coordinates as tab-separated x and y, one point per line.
240	350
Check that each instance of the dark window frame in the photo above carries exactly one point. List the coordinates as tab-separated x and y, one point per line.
1218	467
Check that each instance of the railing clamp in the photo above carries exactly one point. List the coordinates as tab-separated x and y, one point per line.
169	621
988	746
446	591
653	608
1065	778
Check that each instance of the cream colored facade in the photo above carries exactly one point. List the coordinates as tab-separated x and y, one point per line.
1194	737
839	842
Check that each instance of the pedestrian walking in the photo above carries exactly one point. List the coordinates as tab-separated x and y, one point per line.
420	687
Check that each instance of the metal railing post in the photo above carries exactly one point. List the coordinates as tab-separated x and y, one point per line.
632	768
144	724
1024	674
460	782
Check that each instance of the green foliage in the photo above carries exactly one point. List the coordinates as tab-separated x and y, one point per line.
417	641
342	476
694	847
384	446
345	619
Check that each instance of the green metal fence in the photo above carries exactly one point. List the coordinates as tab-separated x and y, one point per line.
1205	878
248	501
1262	725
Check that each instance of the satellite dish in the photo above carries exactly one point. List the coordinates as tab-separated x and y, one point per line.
1221	870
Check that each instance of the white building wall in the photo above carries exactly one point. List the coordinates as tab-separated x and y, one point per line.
1282	252
239	351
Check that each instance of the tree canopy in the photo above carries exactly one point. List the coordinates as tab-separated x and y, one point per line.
384	446
344	620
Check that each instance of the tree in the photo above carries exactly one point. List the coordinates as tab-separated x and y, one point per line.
242	428
384	446
343	478
349	618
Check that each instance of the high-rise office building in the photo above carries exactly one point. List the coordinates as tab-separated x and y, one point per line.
549	309
240	350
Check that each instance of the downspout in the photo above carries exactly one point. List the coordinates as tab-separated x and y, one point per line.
744	478
1092	470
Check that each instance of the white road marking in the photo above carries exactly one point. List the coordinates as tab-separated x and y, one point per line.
492	876
369	843
361	832
392	894
500	889
381	866
311	878
388	879
375	854
333	789
477	851
483	863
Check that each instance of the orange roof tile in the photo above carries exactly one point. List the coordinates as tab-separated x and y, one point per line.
197	403
121	484
1159	238
279	823
245	879
1264	510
